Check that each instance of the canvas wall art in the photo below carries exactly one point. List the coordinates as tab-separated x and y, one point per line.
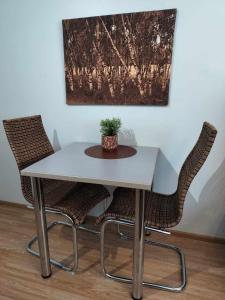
122	59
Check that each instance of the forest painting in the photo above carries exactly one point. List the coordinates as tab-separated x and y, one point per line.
120	59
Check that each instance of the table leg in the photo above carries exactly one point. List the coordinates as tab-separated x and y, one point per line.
138	256
41	227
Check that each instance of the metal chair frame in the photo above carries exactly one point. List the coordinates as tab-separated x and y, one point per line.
122	235
70	224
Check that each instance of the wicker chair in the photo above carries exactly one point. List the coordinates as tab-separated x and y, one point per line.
29	144
161	211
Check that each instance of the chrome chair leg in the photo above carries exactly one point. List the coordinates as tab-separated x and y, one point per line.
183	274
60	265
121	234
125	236
102	253
88	229
71	224
150	242
75	249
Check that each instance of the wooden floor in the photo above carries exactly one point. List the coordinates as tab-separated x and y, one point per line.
20	273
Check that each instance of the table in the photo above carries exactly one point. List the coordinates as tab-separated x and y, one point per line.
72	164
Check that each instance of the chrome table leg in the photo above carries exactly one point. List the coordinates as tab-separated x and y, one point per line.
138	255
41	227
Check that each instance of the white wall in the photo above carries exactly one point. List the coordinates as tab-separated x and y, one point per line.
32	82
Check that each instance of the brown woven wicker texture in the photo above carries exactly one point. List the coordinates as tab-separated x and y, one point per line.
29	143
164	211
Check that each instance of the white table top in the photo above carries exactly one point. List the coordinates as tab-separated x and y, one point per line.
72	164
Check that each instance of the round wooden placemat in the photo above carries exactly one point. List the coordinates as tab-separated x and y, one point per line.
121	152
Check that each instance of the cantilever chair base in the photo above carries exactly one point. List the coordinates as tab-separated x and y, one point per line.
70	224
149	242
54	262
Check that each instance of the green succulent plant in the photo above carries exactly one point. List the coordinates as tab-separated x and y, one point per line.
110	127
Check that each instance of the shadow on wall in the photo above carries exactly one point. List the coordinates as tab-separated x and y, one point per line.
10	189
55	142
212	201
203	215
127	137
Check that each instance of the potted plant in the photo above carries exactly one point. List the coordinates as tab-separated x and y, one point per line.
109	130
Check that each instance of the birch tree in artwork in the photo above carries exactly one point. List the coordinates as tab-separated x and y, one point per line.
119	59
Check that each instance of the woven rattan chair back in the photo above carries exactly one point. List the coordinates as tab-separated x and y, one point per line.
29	143
193	163
28	140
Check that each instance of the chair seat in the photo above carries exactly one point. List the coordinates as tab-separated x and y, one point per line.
160	210
82	198
73	199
